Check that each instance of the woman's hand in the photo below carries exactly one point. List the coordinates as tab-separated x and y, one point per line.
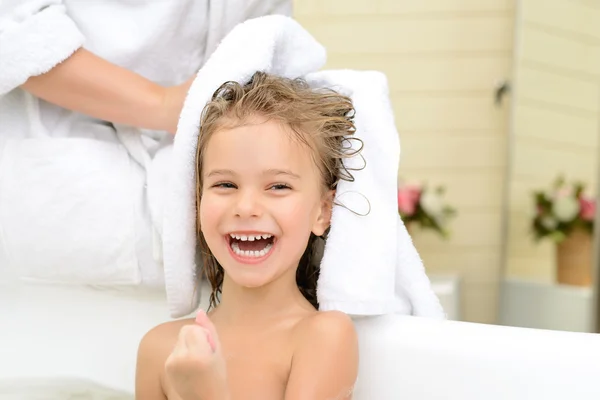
196	369
174	97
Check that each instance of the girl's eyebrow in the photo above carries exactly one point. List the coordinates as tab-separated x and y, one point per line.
276	172
272	172
217	172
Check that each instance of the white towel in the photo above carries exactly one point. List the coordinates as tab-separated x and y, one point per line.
369	266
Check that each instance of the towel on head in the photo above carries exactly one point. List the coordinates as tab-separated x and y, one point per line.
369	265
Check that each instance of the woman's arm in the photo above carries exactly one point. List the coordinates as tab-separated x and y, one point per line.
41	52
325	362
91	85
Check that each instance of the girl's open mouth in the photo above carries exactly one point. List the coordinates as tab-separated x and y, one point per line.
251	247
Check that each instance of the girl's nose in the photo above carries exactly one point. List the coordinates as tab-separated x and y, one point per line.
248	205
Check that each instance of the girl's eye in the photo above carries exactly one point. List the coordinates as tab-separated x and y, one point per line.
280	186
224	185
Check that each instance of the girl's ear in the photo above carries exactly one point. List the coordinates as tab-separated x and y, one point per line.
324	218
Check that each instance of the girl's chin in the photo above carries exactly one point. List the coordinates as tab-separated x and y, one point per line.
249	281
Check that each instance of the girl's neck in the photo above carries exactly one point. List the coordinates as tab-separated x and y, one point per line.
246	306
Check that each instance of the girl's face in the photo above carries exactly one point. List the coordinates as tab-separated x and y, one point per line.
262	196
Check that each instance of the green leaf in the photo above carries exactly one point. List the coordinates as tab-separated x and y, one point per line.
557	236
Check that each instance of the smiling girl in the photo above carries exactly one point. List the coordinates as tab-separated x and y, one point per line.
269	159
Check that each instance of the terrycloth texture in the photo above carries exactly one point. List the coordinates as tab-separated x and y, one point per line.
394	279
369	266
166	44
76	193
275	44
37	37
50	198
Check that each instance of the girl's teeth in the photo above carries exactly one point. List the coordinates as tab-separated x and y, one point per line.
250	253
250	237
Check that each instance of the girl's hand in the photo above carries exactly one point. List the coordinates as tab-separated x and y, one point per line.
196	368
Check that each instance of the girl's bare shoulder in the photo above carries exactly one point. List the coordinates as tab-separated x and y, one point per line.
325	324
160	340
326	346
153	351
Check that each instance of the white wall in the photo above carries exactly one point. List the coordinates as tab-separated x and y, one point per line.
557	108
443	59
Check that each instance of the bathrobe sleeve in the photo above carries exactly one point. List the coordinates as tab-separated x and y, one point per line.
35	36
224	15
269	7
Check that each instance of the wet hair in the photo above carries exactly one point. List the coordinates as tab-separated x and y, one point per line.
321	119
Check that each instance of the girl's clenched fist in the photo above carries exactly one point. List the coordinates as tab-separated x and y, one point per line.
195	368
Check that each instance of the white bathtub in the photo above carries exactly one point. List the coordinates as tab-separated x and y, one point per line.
88	352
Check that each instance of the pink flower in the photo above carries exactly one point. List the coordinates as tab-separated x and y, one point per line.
563	192
408	198
588	208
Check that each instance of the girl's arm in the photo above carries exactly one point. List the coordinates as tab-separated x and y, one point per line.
93	86
325	362
151	357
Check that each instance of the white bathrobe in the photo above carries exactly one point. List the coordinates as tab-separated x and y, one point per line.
73	199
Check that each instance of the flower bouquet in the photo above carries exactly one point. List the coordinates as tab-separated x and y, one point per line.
419	205
565	215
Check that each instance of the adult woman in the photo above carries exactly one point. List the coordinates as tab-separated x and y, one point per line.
75	77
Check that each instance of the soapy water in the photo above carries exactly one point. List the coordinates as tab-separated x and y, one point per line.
58	389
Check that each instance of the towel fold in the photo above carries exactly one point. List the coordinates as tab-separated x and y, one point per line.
369	265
